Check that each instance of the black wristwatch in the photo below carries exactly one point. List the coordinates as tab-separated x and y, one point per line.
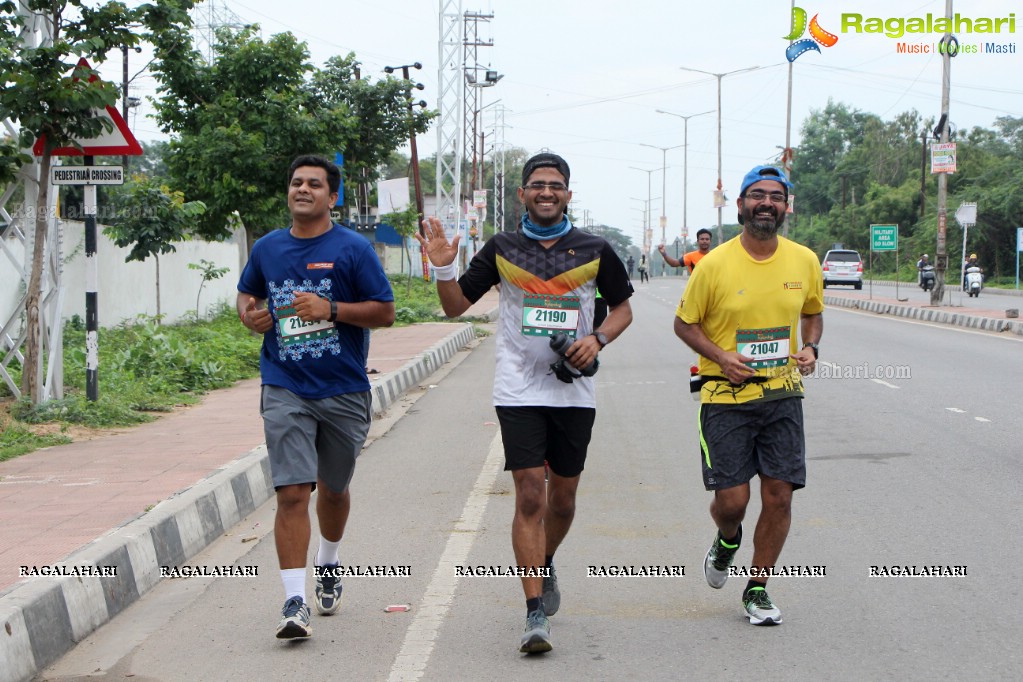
814	347
333	311
601	339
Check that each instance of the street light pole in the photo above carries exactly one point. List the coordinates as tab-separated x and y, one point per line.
416	181
685	166
646	225
664	183
719	76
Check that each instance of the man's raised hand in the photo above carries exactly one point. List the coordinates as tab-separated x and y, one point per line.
433	240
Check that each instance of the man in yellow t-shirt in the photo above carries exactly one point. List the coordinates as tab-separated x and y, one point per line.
740	312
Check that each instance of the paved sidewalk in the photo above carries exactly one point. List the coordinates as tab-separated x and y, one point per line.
986	318
154	495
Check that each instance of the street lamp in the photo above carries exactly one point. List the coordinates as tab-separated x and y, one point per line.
646	226
719	76
664	182
685	165
416	182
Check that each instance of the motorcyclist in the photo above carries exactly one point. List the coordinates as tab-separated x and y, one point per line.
920	265
971	262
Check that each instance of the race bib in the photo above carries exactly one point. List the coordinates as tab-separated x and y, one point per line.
767	347
294	330
549	315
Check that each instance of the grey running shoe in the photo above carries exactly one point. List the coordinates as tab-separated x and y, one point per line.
551	593
328	590
759	608
294	620
719	557
537	637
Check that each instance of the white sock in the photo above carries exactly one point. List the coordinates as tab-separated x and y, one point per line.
327	554
294	583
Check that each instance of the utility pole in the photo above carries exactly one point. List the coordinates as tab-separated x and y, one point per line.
720	185
414	153
923	173
647	231
941	261
124	94
664	184
786	155
685	167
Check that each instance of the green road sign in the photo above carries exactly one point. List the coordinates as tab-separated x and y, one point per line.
884	237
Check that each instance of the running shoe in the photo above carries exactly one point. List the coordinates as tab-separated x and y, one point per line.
537	637
328	590
551	593
719	557
759	608
294	620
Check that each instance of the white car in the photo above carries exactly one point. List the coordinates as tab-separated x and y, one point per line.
842	266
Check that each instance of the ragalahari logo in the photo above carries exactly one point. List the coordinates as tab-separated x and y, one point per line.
817	35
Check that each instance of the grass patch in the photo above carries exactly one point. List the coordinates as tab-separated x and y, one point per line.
17	439
146	367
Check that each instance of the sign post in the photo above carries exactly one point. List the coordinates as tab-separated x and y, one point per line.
884	238
1019	248
966	215
118	142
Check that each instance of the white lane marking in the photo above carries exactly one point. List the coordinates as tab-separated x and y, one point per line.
981	419
885	383
956	410
412	658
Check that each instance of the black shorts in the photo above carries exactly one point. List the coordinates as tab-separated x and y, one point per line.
740	441
559	435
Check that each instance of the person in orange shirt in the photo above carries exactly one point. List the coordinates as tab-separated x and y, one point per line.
693	257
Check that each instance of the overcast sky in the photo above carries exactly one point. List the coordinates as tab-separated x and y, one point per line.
585	79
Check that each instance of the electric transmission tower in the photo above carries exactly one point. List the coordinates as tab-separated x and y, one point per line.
449	109
207	17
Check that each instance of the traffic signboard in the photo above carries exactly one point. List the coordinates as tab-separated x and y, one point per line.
87	175
118	142
884	237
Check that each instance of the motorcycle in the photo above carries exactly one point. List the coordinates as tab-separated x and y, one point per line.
927	277
974	281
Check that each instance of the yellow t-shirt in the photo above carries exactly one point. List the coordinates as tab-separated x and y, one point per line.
753	307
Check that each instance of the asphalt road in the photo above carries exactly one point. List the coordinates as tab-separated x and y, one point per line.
917	464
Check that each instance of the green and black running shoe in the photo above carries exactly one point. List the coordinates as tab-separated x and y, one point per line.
719	557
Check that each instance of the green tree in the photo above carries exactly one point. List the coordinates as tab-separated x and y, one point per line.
150	218
210	271
49	96
376	118
240	121
406	224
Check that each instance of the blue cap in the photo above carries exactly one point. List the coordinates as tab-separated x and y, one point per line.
765	173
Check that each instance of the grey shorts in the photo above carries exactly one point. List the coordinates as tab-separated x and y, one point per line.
737	442
314	439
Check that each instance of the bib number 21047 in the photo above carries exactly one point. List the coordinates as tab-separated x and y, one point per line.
766	347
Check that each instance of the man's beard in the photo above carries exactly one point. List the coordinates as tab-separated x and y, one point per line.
763	227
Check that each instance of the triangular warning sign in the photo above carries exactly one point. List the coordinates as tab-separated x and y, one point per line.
118	142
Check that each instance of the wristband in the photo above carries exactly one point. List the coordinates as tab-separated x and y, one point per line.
445	273
333	311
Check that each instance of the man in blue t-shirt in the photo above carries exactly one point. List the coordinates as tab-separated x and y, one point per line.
312	290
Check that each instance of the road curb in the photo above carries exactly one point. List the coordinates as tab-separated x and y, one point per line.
929	315
46	616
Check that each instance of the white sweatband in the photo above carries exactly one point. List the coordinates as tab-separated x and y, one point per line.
445	273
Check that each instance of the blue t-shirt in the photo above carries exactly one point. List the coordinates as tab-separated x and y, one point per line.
314	359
